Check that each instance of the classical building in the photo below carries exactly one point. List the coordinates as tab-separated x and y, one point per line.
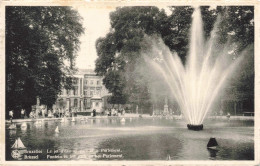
88	92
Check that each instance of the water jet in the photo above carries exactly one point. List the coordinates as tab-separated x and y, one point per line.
197	84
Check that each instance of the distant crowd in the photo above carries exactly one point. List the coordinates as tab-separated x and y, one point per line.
61	112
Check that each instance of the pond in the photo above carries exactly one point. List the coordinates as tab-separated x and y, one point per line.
136	139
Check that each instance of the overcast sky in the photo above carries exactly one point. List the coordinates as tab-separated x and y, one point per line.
97	24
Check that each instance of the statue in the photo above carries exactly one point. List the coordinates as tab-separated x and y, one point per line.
165	109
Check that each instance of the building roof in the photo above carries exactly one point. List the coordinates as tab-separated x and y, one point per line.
85	72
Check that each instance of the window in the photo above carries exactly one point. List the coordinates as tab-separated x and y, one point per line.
86	82
76	90
91	82
68	92
91	93
75	81
75	103
97	103
85	103
61	102
97	82
85	92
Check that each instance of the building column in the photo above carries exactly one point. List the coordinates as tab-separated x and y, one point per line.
89	102
82	87
79	86
81	104
72	102
68	103
78	105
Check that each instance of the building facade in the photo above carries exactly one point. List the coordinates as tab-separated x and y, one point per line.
88	92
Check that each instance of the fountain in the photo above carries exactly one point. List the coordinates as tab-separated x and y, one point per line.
196	85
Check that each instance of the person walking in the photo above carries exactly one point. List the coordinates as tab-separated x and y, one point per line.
94	112
22	113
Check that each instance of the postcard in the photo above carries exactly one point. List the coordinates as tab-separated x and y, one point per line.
130	82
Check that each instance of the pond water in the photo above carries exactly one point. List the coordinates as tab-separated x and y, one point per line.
136	139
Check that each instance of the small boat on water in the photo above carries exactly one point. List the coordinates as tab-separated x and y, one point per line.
24	126
212	144
122	120
38	122
168	157
73	119
57	129
18	144
63	120
82	119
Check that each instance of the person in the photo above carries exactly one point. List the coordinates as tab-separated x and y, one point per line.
228	115
109	112
22	113
116	111
32	115
11	115
123	112
56	112
49	114
46	112
67	113
112	112
94	112
43	112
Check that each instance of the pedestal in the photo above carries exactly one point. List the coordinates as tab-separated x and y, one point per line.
165	110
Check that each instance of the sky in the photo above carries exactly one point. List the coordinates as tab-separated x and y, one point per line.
97	24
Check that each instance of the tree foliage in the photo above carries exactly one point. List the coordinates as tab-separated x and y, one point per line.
119	51
38	42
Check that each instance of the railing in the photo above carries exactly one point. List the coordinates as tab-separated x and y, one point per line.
248	114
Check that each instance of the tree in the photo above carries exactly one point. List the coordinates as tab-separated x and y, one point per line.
38	42
239	29
118	52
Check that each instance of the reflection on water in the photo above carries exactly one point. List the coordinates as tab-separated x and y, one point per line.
136	139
